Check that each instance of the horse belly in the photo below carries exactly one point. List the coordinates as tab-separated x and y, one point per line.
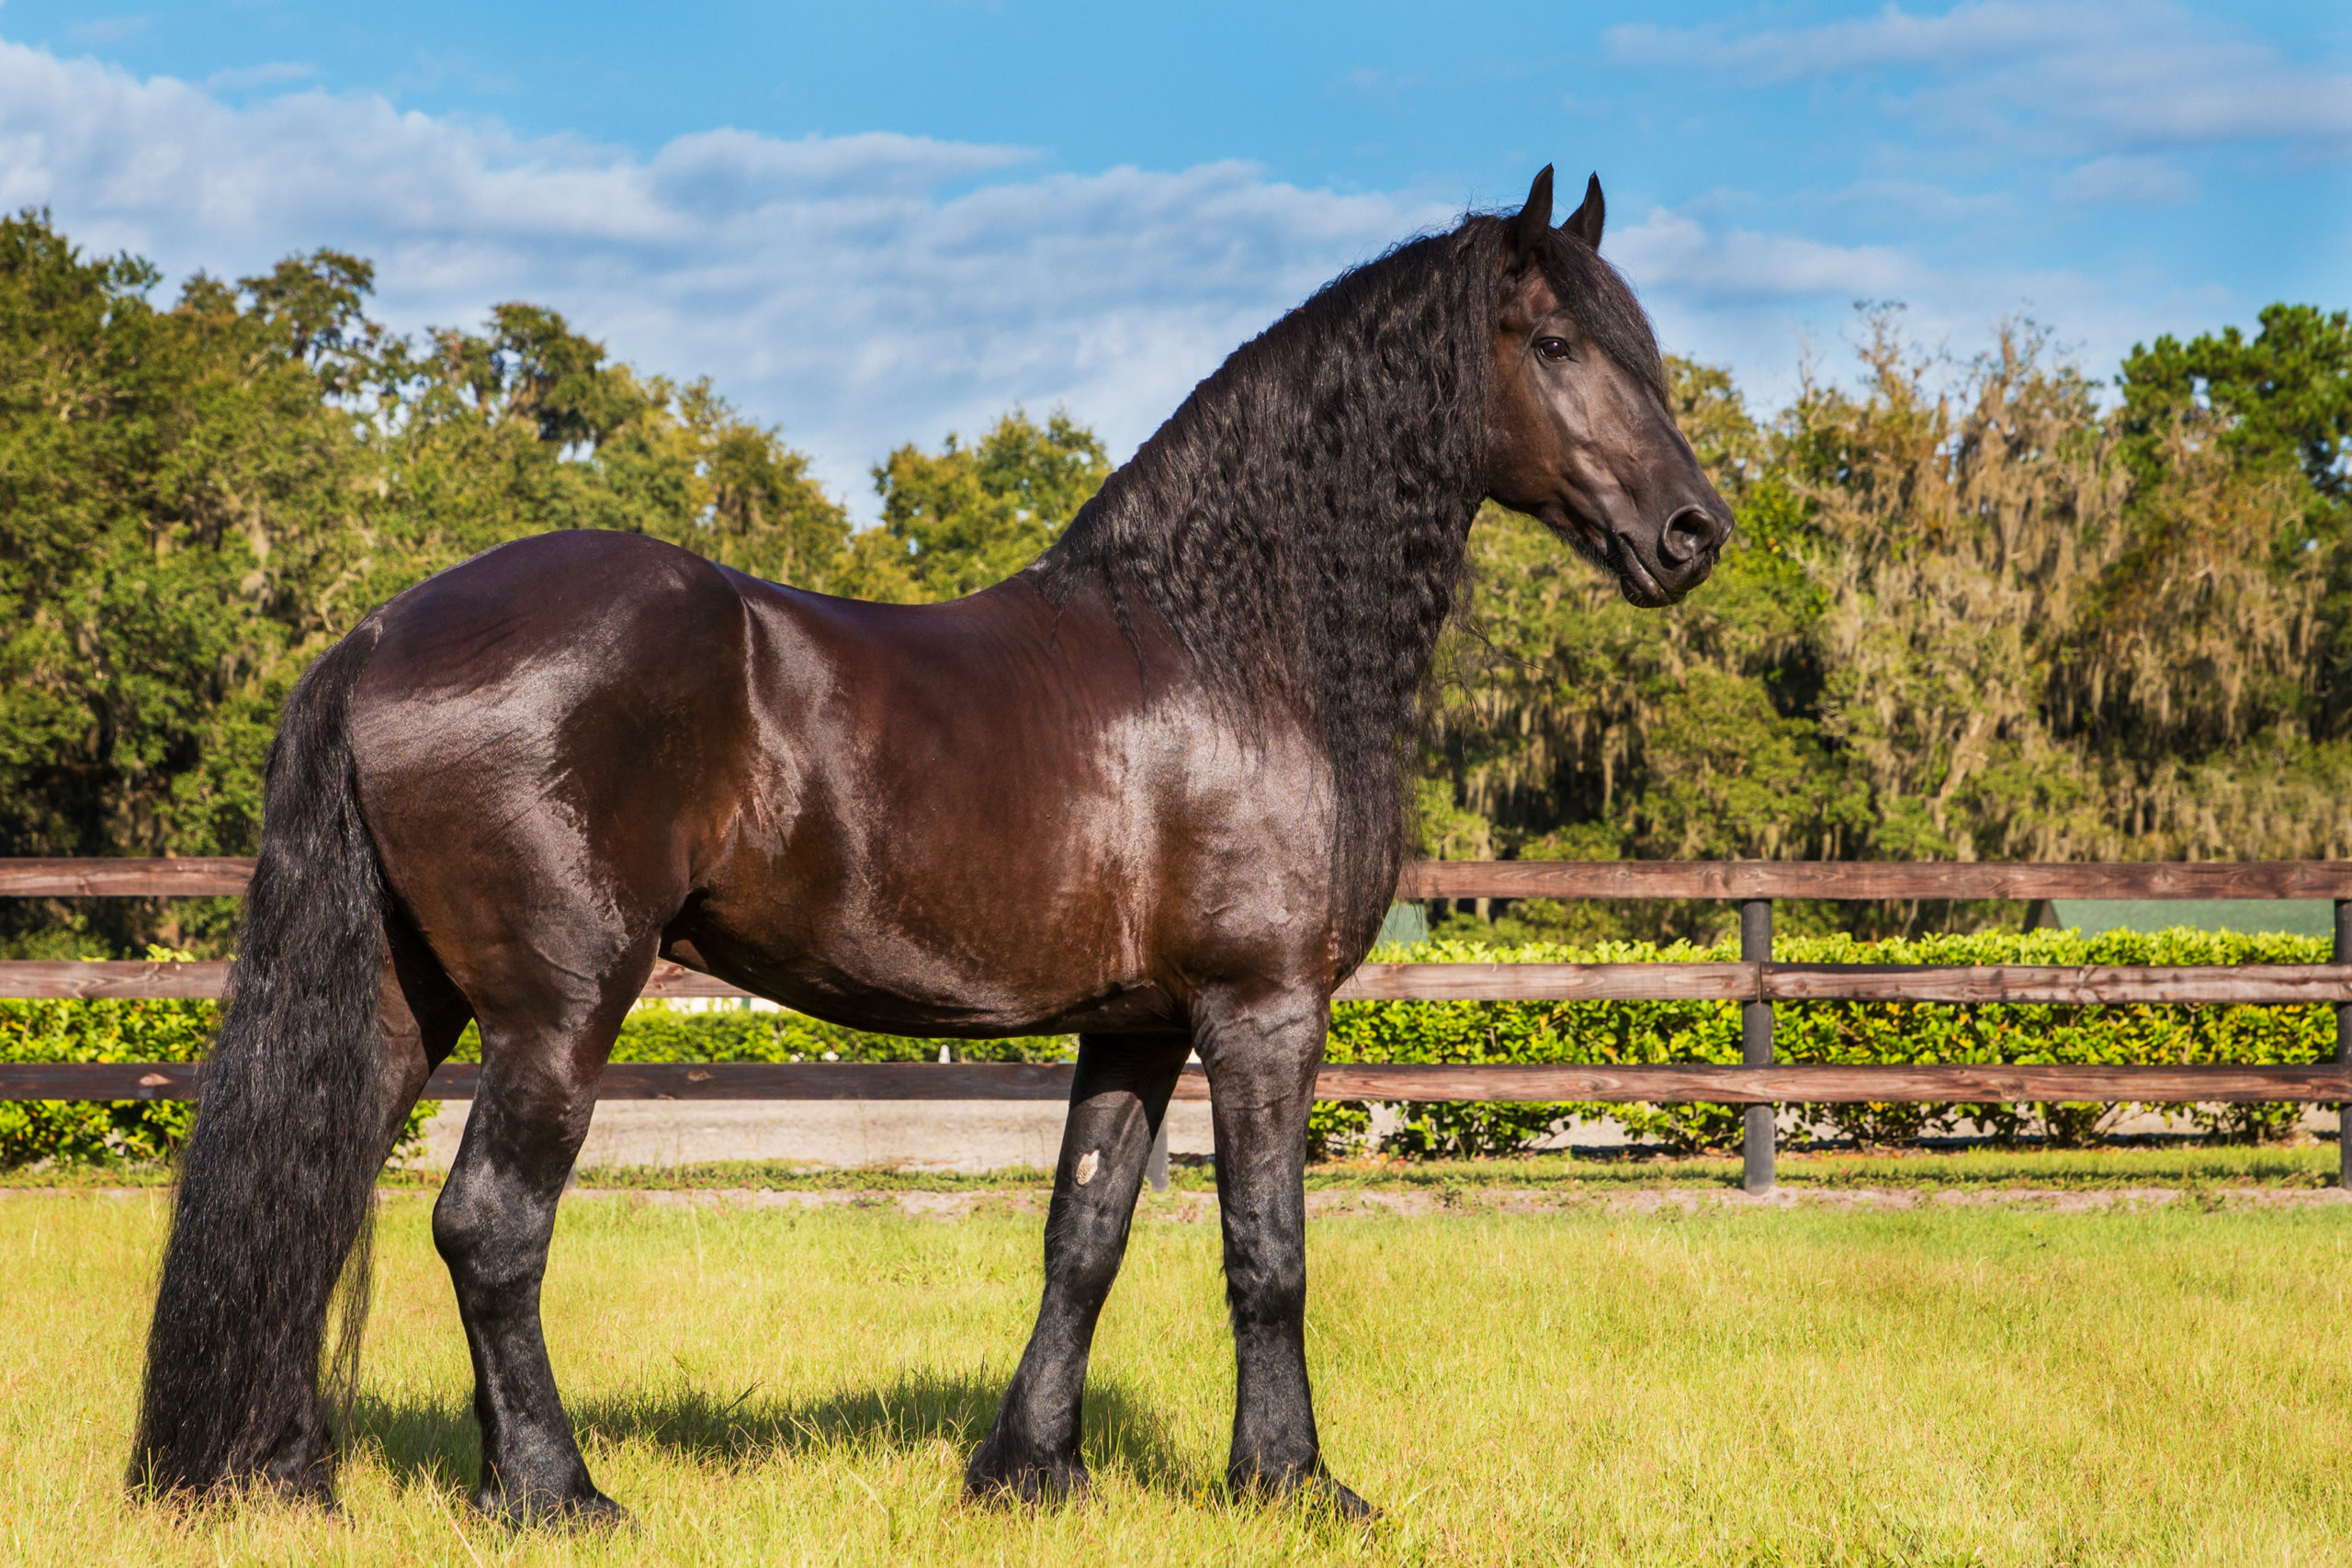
944	939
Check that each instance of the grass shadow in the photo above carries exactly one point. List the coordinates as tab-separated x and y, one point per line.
422	1441
436	1443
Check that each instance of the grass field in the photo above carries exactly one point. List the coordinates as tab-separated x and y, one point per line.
1994	1385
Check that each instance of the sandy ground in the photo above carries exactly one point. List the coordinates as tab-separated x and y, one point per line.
967	1136
1197	1208
1187	1207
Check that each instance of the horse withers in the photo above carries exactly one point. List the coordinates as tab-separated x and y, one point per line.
1176	742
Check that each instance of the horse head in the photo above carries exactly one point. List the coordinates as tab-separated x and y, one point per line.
1583	437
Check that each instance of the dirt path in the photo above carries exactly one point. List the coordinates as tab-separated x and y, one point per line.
1199	1208
1183	1207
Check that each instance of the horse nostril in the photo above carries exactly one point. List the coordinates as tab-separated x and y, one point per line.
1689	533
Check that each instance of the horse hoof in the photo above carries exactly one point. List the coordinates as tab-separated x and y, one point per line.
1029	1479
1314	1490
1324	1493
593	1512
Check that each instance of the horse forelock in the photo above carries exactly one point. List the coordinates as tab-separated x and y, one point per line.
1605	307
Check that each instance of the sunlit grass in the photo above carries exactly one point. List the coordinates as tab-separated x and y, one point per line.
1946	1386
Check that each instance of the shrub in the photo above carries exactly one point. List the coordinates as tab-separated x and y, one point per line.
134	1131
1844	1032
150	1130
659	1033
1617	1032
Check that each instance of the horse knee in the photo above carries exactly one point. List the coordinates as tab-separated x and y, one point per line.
1266	1295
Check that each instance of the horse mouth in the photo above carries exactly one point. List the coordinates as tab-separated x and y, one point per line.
1635	581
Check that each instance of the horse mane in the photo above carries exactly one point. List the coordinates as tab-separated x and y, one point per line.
1300	523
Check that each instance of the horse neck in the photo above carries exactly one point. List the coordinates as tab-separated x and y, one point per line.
1332	572
1302	539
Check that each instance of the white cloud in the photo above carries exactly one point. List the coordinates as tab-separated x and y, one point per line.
870	289
2118	181
1989	29
863	291
1674	251
2082	76
1771	306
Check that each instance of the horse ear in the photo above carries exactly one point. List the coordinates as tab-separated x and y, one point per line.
1534	221
1585	221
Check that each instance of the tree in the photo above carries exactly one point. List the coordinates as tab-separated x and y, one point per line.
1965	615
971	516
2286	395
527	427
196	500
2277	408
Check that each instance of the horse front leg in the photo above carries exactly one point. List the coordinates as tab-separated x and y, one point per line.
1117	1101
1261	1060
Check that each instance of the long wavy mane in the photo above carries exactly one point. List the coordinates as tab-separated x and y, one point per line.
1299	524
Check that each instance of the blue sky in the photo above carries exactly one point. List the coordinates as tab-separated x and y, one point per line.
875	223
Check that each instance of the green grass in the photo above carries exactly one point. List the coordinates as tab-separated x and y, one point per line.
1964	1385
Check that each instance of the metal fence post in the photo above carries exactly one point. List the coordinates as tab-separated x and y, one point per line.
2343	1046
1756	1043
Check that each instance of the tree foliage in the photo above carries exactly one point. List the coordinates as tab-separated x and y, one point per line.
1971	610
973	515
194	500
1967	615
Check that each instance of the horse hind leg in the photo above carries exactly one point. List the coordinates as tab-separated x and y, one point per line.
1117	1100
420	1016
544	1045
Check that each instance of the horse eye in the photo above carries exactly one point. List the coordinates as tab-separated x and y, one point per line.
1553	347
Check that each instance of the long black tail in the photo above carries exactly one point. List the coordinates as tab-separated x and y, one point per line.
278	1183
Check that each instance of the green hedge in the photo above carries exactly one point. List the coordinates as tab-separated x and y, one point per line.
658	1034
146	1131
136	1131
1843	1032
1622	1033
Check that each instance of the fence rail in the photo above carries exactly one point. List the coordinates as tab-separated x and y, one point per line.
1849	881
1756	983
1990	1084
2073	985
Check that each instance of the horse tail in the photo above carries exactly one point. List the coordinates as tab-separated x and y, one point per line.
277	1185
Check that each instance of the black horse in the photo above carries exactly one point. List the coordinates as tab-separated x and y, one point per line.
1179	739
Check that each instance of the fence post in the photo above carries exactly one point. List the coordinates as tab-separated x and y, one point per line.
2343	1046
1155	1165
1756	1043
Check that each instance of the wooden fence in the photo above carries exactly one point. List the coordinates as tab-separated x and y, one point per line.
1755	982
